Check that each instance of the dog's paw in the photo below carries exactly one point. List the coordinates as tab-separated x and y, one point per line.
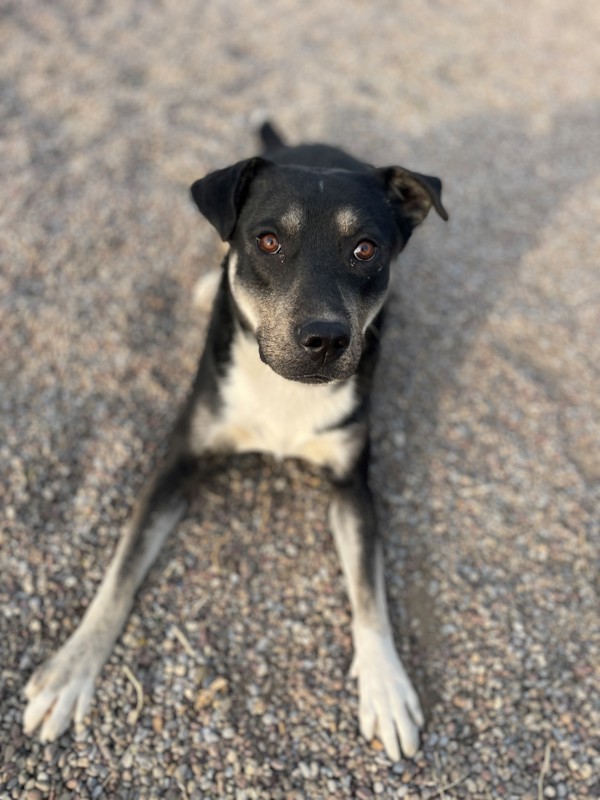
61	690
388	704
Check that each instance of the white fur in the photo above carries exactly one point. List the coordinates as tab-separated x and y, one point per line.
243	298
388	704
263	412
205	290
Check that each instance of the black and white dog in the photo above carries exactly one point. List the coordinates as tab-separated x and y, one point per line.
286	370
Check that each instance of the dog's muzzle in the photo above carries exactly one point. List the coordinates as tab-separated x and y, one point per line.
325	351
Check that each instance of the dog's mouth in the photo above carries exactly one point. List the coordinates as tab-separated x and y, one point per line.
314	379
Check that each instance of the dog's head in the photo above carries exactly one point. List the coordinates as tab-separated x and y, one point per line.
310	254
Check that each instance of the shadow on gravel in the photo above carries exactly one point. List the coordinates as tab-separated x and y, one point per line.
503	183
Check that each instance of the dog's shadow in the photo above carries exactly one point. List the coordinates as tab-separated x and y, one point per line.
504	182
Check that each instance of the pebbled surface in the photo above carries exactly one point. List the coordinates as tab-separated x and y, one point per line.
231	679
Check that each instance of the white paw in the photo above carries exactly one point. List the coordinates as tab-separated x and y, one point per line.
388	704
61	690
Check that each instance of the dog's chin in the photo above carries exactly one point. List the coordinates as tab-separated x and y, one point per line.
305	370
306	375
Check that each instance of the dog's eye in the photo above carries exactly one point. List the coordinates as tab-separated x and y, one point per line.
268	243
365	250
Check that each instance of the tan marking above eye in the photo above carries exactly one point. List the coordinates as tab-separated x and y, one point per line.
346	219
293	219
268	243
365	250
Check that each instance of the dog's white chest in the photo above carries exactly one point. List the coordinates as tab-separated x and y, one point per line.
263	412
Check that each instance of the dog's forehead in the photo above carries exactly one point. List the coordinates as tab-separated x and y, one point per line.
296	196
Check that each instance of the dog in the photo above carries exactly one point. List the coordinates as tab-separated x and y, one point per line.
287	369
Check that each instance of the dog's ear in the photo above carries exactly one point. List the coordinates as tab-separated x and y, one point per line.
412	195
221	194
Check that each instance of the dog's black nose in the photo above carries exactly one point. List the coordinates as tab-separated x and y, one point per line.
323	340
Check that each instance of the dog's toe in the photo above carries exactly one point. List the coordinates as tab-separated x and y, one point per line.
37	708
59	691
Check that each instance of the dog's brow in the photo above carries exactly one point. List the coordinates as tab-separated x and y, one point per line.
347	220
292	219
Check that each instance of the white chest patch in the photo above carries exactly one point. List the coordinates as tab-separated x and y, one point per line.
263	412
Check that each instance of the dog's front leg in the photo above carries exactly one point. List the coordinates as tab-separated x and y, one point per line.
388	704
63	687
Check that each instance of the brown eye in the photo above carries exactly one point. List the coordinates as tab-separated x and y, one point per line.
268	243
365	250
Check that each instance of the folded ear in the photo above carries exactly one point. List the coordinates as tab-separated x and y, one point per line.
221	194
412	194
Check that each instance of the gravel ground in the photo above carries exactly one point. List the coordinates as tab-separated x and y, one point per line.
231	677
